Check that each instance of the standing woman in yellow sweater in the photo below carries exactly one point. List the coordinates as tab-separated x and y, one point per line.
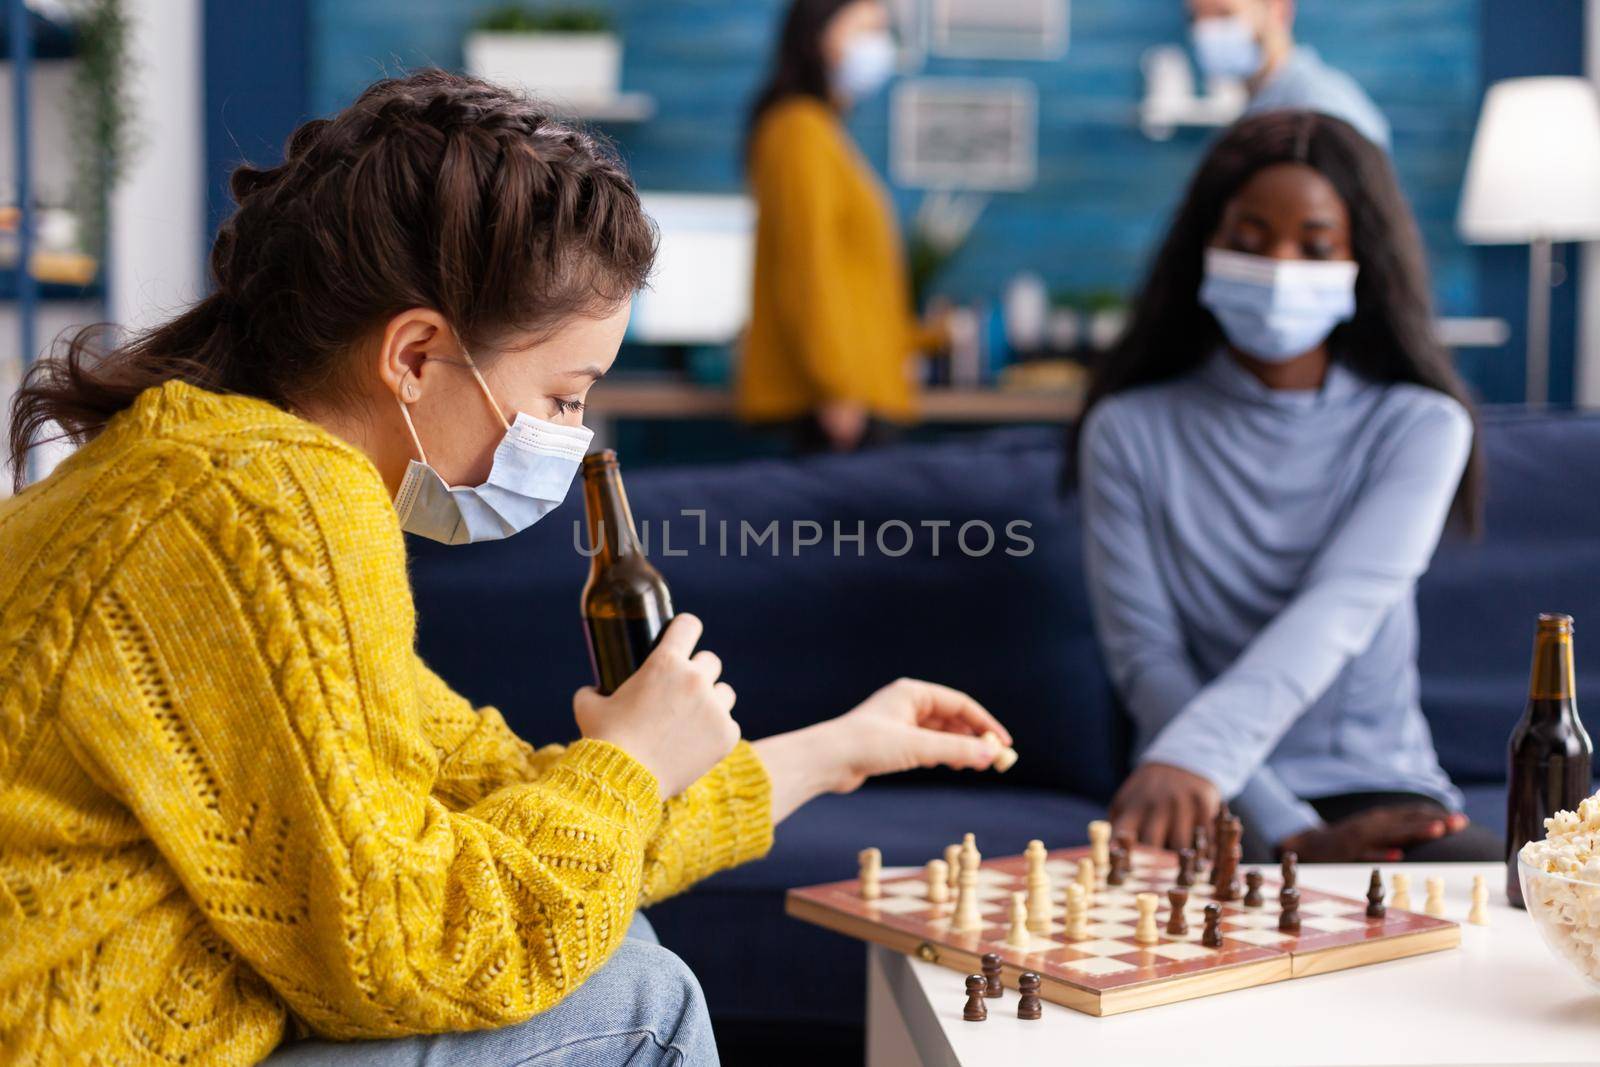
234	804
832	335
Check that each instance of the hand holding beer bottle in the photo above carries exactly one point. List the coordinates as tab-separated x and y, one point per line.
625	602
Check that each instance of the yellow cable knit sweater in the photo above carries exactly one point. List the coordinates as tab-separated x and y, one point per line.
231	794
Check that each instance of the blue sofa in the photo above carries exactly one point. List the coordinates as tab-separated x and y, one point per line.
805	634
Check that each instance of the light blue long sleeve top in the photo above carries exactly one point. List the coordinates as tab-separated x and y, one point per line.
1304	81
1252	559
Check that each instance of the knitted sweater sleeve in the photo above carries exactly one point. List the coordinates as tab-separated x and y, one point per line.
723	820
247	687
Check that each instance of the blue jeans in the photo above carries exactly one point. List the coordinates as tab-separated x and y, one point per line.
644	1008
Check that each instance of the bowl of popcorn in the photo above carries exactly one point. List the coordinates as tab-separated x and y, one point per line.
1561	887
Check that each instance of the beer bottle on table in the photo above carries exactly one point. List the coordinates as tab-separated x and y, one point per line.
1550	752
625	602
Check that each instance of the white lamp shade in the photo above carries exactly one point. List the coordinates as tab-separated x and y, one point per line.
1535	167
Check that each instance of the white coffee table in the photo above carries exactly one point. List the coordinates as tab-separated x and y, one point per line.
1501	998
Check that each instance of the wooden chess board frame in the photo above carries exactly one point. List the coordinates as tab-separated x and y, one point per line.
1111	973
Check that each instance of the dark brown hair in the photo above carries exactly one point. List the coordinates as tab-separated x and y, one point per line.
1390	339
797	67
432	190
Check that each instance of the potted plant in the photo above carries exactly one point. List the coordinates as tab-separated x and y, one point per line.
568	54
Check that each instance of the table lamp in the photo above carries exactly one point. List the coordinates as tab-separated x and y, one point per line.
1534	179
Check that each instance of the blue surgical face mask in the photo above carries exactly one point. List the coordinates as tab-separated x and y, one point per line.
866	66
1277	309
1226	47
533	467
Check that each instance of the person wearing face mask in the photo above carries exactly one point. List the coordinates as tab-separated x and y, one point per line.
1267	461
828	355
240	809
1254	40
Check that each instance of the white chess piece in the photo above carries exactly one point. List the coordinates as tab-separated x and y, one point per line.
967	918
1077	913
952	863
1435	902
1005	758
1087	878
1479	915
1401	897
1018	936
1040	907
871	869
1100	845
938	882
1146	933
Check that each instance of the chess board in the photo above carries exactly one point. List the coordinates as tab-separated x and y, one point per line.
1111	973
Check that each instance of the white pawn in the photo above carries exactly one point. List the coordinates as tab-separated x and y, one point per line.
1434	906
952	862
871	868
1040	907
1401	897
1479	915
1077	913
1146	932
1017	936
967	917
1100	845
938	882
1087	878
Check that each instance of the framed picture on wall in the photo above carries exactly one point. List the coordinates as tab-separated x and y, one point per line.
999	29
964	133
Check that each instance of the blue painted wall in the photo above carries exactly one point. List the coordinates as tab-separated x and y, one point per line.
1104	190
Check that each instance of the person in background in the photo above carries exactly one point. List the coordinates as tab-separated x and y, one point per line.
238	805
829	353
1268	459
1254	40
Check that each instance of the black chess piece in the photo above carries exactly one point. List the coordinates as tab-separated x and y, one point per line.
1117	873
1029	1007
1211	936
1252	897
976	1011
1289	918
991	976
1291	873
1375	906
1186	867
1177	923
1201	844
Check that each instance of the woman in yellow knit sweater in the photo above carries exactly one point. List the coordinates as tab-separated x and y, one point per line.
829	353
234	804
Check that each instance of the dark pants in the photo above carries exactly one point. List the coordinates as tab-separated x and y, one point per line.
807	438
1475	844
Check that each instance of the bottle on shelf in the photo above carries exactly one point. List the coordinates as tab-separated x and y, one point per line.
625	601
1550	753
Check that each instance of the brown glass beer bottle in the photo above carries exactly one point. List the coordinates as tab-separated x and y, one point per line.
625	602
1550	752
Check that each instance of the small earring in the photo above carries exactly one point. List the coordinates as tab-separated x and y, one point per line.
409	391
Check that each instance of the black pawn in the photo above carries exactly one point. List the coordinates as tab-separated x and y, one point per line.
976	1011
1029	1007
1289	918
1117	874
1211	936
1177	923
1375	905
991	976
1252	897
1186	867
1291	873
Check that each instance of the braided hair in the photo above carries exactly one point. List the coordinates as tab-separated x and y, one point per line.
433	190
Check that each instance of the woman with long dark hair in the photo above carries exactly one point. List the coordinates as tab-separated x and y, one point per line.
1268	459
237	805
832	332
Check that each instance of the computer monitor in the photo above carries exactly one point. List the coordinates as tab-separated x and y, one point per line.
699	293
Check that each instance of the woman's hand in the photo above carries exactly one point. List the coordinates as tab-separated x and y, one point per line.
902	726
673	715
844	422
1160	805
1376	836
